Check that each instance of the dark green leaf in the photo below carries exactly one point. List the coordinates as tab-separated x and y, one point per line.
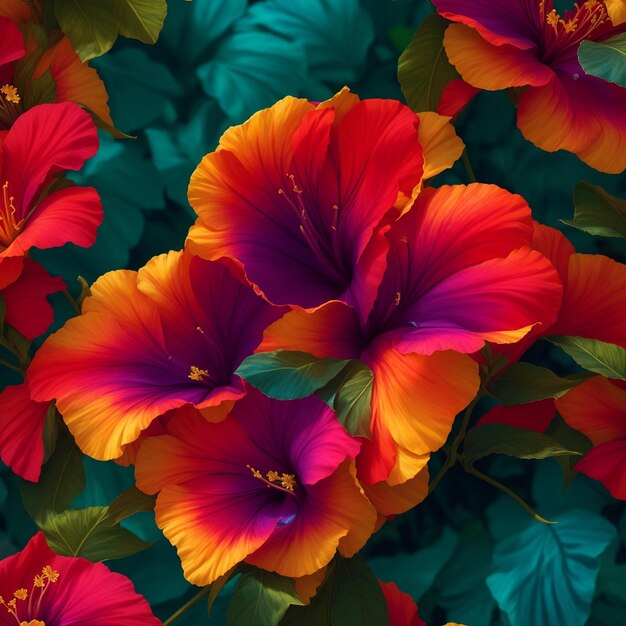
516	442
571	439
261	599
316	613
88	533
605	59
597	212
525	382
288	375
130	502
357	597
62	478
593	355
423	68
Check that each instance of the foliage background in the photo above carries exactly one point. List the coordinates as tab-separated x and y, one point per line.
218	61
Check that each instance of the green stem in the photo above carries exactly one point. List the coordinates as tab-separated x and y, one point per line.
15	368
504	489
183	609
454	448
468	166
70	299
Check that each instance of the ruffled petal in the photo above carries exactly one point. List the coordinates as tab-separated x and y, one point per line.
46	139
514	22
27	307
21	431
597	409
492	67
416	399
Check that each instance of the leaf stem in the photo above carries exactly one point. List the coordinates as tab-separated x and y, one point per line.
183	609
15	368
70	299
467	164
504	489
454	448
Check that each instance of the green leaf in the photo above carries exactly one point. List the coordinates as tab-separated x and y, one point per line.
130	502
261	599
517	442
140	19
605	59
42	91
525	382
90	25
597	212
316	613
352	400
423	68
546	574
88	533
571	439
288	375
357	598
593	355
62	478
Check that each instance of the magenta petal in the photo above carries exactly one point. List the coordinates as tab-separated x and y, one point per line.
11	42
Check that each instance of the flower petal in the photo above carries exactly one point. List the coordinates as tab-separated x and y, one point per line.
492	67
592	300
46	139
514	22
70	215
11	42
21	431
416	399
532	416
27	308
393	500
597	409
607	463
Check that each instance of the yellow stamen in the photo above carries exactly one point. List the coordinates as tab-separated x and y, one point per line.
21	594
397	298
286	481
195	373
571	25
10	94
553	18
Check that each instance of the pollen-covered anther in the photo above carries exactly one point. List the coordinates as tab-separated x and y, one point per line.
10	94
195	373
283	481
288	481
397	298
553	18
21	594
571	25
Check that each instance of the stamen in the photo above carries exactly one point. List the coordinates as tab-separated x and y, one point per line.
41	582
397	298
553	18
195	373
283	482
9	228
10	94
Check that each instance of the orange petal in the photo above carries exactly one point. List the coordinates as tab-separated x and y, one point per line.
416	399
596	408
491	67
393	500
440	143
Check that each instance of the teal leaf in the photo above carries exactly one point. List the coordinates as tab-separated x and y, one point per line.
336	34
546	574
605	59
525	382
593	355
140	89
288	375
516	442
597	212
415	572
192	27
423	69
251	70
461	582
261	599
